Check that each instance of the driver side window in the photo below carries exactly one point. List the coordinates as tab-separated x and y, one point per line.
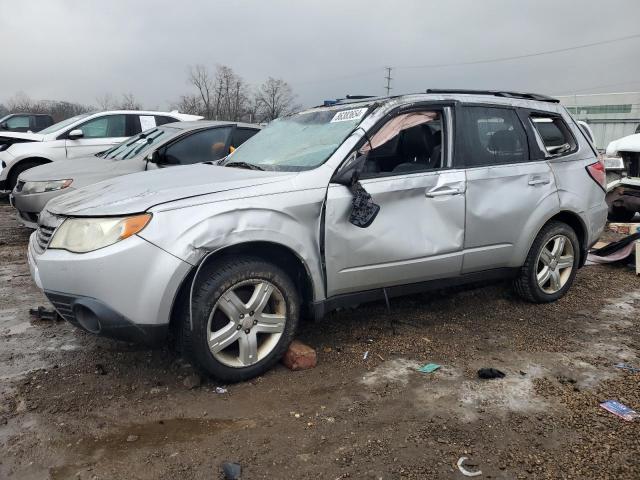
409	142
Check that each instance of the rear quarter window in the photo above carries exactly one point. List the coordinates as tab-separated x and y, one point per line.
554	133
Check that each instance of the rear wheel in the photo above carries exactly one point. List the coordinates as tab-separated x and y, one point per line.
551	265
245	314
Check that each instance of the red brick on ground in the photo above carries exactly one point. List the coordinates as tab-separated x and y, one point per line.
299	356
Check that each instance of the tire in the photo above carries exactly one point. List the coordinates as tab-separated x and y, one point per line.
216	309
17	170
531	284
617	214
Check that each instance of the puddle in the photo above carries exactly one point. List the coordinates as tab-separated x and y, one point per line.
154	435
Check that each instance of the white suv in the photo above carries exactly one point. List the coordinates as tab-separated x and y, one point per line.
79	136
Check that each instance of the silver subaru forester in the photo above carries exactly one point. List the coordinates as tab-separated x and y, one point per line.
333	206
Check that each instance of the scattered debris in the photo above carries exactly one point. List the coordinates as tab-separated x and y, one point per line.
614	252
466	472
231	471
429	368
299	356
100	370
366	354
620	410
221	390
490	373
42	313
192	381
132	438
623	228
626	366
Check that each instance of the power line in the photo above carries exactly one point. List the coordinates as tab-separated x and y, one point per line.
528	55
388	77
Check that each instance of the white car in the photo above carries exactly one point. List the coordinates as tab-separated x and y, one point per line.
76	137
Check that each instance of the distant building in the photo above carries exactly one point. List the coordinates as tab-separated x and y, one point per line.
610	115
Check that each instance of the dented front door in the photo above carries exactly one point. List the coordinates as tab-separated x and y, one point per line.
418	234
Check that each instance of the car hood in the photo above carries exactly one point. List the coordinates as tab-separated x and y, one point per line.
83	171
34	137
140	191
630	143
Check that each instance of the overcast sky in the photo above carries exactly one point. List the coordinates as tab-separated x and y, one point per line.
78	50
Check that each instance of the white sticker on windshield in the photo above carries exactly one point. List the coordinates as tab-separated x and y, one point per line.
347	115
147	122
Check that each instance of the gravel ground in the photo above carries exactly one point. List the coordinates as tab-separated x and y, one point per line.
76	406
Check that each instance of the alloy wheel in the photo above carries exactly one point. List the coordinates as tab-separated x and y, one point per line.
246	323
555	264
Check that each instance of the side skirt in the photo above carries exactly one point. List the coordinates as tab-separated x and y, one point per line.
321	308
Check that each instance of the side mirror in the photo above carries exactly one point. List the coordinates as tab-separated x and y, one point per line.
4	126
75	134
364	210
353	165
155	157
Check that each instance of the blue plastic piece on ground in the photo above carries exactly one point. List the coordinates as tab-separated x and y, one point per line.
429	368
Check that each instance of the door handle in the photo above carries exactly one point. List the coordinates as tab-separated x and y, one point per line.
441	193
539	181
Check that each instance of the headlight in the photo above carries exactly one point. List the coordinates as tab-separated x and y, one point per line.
613	163
81	235
48	186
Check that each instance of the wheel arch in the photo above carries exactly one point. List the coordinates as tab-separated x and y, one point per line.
22	161
576	223
276	253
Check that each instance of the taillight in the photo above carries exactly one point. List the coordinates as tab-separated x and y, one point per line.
597	172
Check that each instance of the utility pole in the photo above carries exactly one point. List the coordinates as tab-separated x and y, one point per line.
388	78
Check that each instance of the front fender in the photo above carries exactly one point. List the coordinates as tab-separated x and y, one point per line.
191	233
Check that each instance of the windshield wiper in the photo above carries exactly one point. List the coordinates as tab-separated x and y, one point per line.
248	166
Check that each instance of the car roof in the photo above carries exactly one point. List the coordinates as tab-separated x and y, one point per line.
489	97
208	123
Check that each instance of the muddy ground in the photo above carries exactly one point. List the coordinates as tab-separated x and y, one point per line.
76	406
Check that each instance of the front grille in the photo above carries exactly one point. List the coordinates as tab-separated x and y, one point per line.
47	224
43	236
62	304
19	186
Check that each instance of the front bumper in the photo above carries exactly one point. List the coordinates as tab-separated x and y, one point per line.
124	291
30	205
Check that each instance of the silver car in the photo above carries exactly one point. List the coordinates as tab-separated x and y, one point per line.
328	207
179	143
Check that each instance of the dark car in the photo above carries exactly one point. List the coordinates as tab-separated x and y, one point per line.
25	122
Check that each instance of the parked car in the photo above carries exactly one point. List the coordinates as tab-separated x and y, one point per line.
25	122
329	207
73	138
623	178
180	143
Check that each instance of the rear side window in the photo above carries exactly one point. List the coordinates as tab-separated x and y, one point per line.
241	135
554	133
161	120
491	136
201	146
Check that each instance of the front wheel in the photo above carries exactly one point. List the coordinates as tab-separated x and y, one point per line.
245	315
551	265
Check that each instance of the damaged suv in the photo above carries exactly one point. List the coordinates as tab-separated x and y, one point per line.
623	176
328	207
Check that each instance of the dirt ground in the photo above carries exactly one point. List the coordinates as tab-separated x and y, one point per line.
76	406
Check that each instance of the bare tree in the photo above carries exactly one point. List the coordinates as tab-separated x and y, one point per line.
106	102
231	95
201	79
275	98
129	102
191	104
21	102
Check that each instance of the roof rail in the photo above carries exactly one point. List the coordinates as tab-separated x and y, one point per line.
496	93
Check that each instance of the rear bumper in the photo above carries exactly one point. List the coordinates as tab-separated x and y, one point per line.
96	317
